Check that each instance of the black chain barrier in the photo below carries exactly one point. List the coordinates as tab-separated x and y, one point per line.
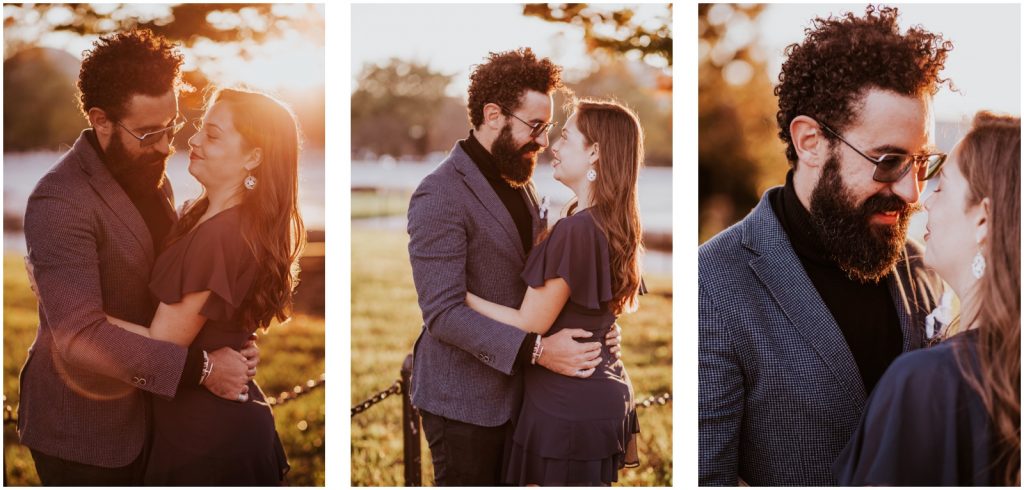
394	389
284	397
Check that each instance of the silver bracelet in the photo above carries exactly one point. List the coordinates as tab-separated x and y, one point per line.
207	368
538	349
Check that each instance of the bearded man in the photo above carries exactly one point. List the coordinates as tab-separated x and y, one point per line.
805	302
472	223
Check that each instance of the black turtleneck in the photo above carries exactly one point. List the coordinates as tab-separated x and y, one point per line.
152	207
511	197
513	200
865	312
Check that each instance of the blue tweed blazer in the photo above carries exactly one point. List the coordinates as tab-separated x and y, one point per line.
461	238
779	390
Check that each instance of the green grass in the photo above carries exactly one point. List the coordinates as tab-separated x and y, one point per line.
386	321
290	354
379	204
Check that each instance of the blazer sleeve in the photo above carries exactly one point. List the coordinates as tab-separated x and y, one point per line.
437	250
720	398
62	246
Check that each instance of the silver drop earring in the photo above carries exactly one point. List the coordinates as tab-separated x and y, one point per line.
591	175
978	265
250	182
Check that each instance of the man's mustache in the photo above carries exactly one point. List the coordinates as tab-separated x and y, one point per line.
529	147
885	203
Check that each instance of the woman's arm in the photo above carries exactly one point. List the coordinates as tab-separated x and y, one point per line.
178	323
539	309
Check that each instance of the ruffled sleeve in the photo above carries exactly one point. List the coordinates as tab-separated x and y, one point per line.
576	250
212	257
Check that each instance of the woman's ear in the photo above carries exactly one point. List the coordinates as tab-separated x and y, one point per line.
812	148
255	159
984	212
595	153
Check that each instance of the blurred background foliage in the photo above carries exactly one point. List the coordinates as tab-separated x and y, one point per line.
401	108
739	152
40	103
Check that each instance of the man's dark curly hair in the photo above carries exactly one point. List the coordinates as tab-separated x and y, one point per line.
826	76
506	76
124	64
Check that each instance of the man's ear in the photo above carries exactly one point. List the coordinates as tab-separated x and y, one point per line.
493	116
255	159
812	148
100	123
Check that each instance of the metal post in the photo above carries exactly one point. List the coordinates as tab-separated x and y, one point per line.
410	430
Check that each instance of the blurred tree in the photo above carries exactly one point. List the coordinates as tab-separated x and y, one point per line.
394	106
236	30
188	23
615	32
739	153
39	106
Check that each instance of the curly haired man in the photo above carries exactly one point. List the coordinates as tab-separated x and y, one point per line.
806	301
93	226
472	223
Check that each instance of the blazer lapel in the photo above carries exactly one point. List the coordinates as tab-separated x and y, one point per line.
112	194
478	184
911	321
780	270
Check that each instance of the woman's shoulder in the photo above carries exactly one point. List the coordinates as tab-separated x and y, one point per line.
930	370
579	223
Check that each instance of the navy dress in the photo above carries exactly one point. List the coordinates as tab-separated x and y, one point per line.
198	438
923	425
575	431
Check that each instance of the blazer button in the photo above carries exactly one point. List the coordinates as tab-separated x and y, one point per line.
142	381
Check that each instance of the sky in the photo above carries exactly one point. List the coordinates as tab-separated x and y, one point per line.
453	38
984	64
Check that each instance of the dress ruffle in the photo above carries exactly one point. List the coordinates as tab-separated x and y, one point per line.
576	250
218	260
552	451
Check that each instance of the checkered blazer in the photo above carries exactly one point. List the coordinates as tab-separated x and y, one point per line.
779	390
461	237
82	384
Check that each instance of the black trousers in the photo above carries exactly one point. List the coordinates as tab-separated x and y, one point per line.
57	472
465	454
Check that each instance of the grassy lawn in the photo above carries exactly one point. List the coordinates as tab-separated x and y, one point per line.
386	321
379	204
290	355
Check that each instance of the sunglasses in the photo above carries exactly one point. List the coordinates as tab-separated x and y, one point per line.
150	138
891	167
537	129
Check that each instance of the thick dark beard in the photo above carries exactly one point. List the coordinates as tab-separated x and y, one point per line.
513	167
865	252
137	175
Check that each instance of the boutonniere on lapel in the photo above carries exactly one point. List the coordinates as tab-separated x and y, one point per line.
542	212
940	317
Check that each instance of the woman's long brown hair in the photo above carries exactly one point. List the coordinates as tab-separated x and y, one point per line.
271	223
989	159
614	203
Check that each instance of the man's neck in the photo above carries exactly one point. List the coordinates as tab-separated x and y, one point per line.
486	137
803	184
